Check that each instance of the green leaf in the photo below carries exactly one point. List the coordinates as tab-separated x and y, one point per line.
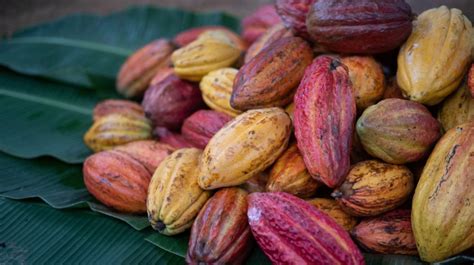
177	244
88	50
32	233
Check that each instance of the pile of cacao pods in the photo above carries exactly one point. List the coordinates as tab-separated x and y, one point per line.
328	127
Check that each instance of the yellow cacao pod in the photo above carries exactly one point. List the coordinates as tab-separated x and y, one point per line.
244	147
117	129
432	62
174	196
210	51
442	210
457	109
332	208
216	90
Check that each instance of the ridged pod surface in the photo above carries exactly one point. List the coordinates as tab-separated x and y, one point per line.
432	62
293	14
216	89
244	147
148	152
270	78
332	208
111	106
289	175
289	230
199	128
220	233
324	120
442	211
373	187
397	131
457	109
190	35
271	35
390	233
174	196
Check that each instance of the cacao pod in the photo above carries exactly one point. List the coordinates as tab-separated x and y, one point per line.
271	77
432	62
292	231
324	120
397	131
117	180
363	26
457	109
149	153
373	187
136	73
289	174
256	184
332	208
271	35
470	78
392	90
387	234
442	213
293	14
216	89
199	128
170	138
220	233
111	106
174	196
190	35
244	147
161	75
117	129
212	50
171	101
368	81
258	22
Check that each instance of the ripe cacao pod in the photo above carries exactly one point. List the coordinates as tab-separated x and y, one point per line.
174	196
199	128
397	131
470	78
442	213
363	26
171	101
117	180
149	153
289	175
332	208
216	89
244	147
457	109
161	75
220	233
293	14
387	234
111	106
136	73
373	187
292	231
175	140
212	50
324	120
432	62
271	77
190	35
117	129
368	81
258	22
272	34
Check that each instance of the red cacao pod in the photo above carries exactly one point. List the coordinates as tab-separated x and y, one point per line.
293	14
291	231
171	101
149	153
199	128
387	234
170	138
111	106
220	233
258	22
364	26
272	34
161	75
117	180
324	120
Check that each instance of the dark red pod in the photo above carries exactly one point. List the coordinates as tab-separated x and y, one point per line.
220	233
168	137
363	26
258	22
293	14
324	120
199	128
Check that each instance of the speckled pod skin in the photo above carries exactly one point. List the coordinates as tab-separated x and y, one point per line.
291	231
174	197
293	14
199	128
220	233
216	89
148	152
332	208
397	131
442	212
254	25
363	26
111	106
270	78
390	233
136	73
457	109
324	120
244	147
271	35
374	187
